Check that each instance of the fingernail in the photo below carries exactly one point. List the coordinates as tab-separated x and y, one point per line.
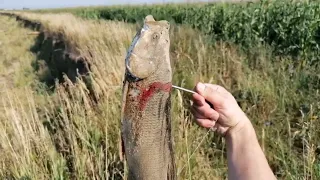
201	87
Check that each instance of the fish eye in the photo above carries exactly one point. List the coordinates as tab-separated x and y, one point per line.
156	36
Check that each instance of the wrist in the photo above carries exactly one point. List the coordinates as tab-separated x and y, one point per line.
243	129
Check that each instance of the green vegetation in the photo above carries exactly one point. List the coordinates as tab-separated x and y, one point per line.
289	27
265	54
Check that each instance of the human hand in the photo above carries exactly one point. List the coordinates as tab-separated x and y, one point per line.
226	114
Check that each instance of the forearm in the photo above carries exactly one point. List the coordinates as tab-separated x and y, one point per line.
246	159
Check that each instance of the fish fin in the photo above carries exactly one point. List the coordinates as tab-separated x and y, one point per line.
123	104
171	173
124	97
121	149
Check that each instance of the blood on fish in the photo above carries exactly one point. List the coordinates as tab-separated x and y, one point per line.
147	93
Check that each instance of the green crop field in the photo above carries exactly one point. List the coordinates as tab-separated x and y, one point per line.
265	53
289	27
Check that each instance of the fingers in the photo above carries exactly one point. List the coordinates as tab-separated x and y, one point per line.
213	93
205	112
218	88
206	123
204	115
198	99
225	113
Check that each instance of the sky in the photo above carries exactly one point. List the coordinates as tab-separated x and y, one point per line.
35	4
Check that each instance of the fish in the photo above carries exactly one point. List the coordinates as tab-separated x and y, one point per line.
146	129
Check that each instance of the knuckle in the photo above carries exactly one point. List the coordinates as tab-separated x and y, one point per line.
199	122
224	104
209	114
205	124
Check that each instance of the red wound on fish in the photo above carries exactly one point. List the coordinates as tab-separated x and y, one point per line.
147	93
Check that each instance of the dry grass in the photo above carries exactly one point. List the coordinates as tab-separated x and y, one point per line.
22	134
16	59
103	44
69	125
65	135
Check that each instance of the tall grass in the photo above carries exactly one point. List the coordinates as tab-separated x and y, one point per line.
80	137
66	135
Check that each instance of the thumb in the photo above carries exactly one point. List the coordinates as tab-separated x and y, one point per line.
210	93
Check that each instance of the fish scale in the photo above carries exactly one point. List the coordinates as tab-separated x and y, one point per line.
145	117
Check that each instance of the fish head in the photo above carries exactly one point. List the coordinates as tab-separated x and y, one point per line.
149	48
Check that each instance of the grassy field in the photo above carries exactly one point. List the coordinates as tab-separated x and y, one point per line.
69	129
